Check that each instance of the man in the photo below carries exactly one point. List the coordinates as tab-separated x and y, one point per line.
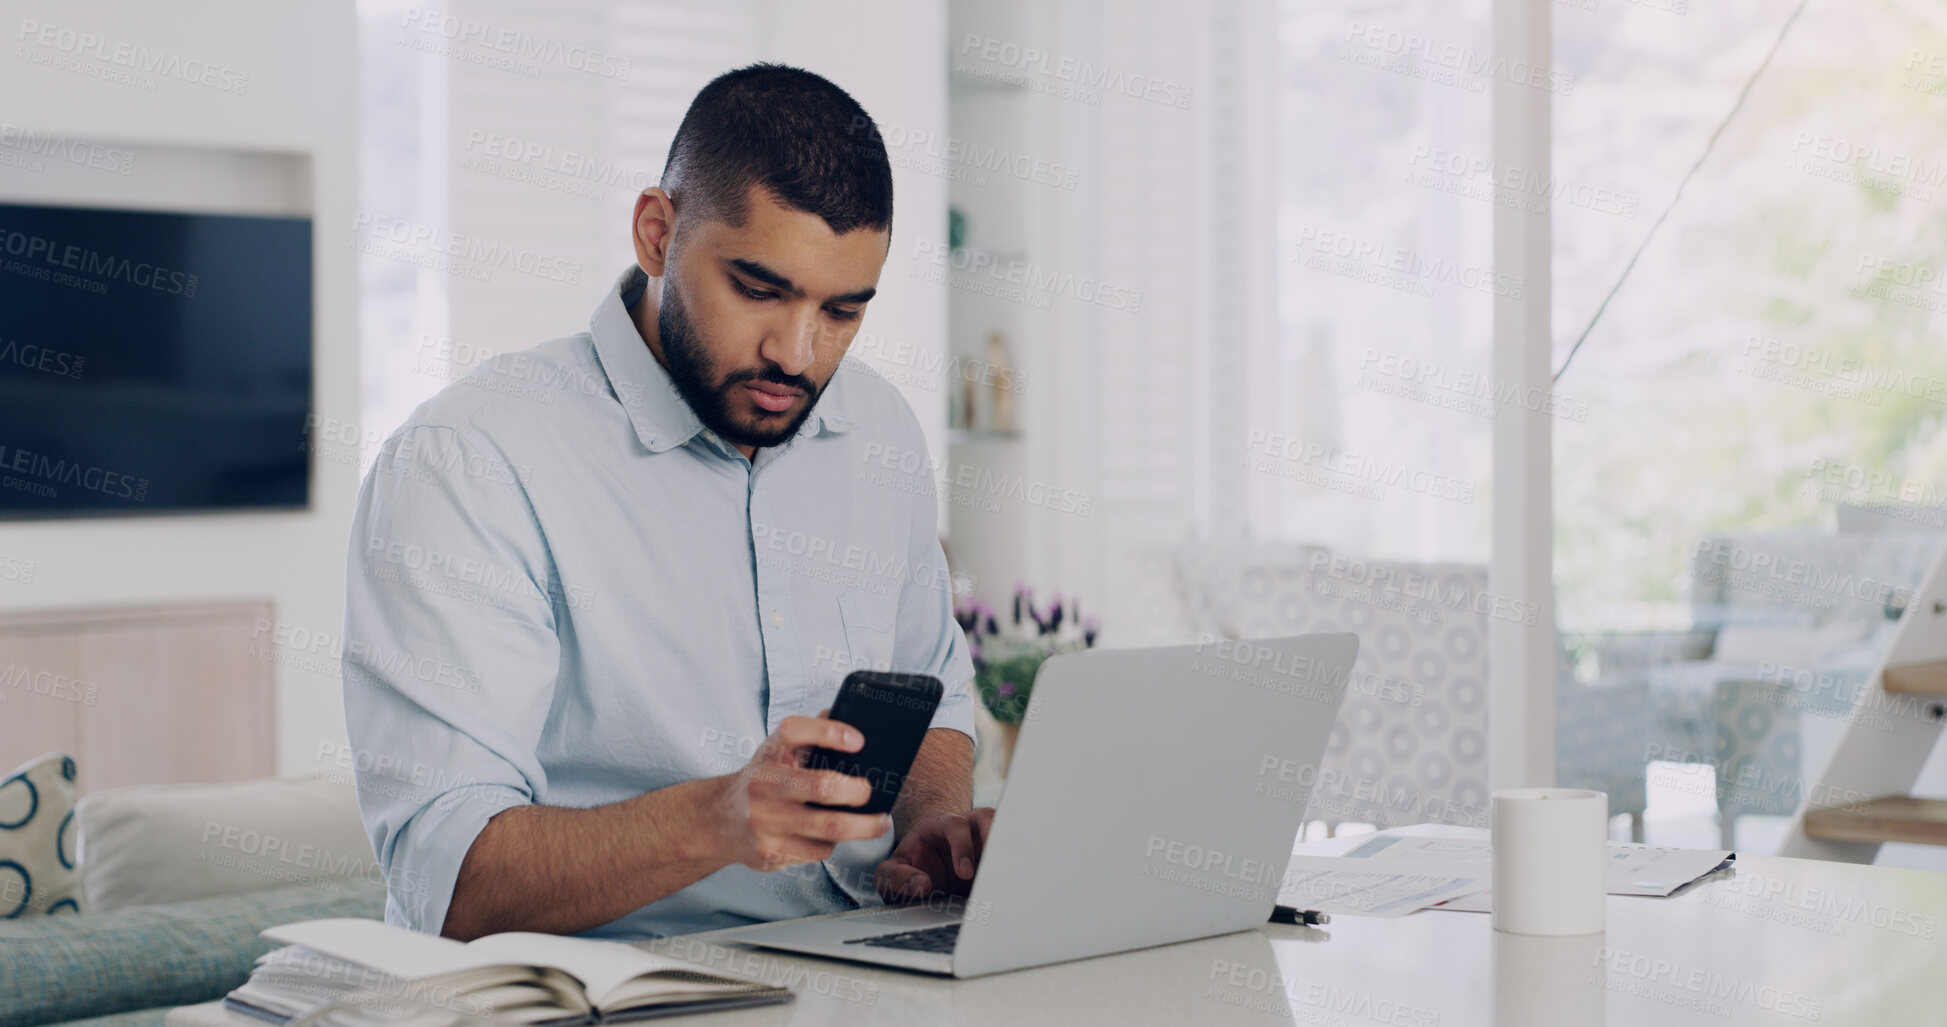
600	591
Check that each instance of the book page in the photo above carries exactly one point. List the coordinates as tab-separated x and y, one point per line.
601	966
407	955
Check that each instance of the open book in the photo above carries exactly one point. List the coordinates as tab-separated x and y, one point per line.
366	972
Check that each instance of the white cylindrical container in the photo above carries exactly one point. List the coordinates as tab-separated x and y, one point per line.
1551	854
1549	982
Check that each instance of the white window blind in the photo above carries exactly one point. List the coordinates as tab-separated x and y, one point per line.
565	134
506	141
1175	218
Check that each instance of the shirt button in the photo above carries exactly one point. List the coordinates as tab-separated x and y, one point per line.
777	619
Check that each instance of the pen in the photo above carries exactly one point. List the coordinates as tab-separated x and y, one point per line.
1288	915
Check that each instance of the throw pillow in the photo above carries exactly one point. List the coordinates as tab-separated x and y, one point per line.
148	844
39	871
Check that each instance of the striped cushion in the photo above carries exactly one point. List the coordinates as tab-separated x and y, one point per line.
71	967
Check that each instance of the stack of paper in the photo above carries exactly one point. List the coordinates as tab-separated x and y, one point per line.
1394	872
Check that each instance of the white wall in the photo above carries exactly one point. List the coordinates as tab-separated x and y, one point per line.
299	101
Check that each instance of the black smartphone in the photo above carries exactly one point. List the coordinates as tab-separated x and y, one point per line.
892	711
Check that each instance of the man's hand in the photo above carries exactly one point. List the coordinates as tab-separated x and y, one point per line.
761	817
939	855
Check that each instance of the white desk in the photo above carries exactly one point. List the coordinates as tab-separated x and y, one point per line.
1833	943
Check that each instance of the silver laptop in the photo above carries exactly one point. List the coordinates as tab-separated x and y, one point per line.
1153	797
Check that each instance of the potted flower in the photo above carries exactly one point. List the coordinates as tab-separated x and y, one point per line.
1008	650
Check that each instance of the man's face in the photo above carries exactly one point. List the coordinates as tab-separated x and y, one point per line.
755	318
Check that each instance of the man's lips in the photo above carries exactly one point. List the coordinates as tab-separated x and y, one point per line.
773	398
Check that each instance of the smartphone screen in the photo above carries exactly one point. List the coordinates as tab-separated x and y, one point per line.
892	711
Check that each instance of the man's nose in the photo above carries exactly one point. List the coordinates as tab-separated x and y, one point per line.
794	343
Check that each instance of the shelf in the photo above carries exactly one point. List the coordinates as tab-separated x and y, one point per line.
972	436
1887	818
994	256
972	83
1917	679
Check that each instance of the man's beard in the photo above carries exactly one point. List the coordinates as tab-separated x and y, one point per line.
696	381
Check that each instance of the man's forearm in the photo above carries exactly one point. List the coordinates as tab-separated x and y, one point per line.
941	780
562	871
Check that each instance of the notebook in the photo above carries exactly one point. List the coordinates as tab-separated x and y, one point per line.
365	972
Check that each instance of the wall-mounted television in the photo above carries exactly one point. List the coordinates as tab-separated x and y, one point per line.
152	362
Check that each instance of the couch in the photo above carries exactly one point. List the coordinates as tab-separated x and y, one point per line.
176	883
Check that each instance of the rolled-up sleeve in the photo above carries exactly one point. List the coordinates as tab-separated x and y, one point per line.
928	639
450	658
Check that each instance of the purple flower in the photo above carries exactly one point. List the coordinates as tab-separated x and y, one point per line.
1040	620
1007	689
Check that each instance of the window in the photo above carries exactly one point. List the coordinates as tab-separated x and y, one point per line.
1372	425
1762	470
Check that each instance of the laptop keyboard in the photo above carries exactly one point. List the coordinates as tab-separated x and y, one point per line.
930	939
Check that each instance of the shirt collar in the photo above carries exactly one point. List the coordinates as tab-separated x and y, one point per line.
661	417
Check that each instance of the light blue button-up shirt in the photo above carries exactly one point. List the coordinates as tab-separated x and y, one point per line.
563	589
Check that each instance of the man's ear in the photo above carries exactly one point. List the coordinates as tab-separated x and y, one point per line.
653	226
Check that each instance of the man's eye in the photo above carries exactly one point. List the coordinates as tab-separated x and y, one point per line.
842	315
755	294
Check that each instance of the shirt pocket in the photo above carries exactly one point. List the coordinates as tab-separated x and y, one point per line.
869	621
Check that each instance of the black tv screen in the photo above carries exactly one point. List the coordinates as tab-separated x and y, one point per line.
152	362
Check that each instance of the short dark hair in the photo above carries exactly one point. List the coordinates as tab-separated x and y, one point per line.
793	132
